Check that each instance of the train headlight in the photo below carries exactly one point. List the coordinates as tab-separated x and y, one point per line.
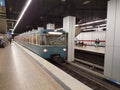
64	49
45	50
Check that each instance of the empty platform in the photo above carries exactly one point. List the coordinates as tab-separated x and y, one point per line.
20	71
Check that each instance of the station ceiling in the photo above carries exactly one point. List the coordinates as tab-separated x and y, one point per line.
41	12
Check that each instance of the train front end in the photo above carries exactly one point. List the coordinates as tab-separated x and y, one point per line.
52	43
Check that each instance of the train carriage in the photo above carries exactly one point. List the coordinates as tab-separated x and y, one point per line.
44	42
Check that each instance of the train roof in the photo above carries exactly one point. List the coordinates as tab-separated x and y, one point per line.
43	31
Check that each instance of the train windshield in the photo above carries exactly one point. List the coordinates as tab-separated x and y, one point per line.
49	39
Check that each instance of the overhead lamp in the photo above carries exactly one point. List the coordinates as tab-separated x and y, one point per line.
88	27
21	15
63	0
93	22
77	25
58	29
56	33
95	29
86	2
103	25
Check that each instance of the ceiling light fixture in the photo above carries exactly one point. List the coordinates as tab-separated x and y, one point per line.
21	15
86	2
56	33
63	0
93	22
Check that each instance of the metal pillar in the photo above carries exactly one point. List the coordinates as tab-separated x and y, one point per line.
112	54
69	27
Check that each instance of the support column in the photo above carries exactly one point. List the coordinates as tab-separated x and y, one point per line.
69	27
40	28
3	26
51	26
112	54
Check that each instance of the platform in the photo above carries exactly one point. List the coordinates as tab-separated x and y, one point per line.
21	69
91	49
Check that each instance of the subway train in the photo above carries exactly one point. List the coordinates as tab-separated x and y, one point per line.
45	43
89	38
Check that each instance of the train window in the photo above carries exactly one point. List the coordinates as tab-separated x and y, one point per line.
34	39
38	39
51	39
42	39
30	40
56	39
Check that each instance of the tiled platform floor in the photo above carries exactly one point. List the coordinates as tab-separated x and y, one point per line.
18	72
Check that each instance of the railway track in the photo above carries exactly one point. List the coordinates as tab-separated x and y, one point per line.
91	57
94	80
91	80
90	66
90	60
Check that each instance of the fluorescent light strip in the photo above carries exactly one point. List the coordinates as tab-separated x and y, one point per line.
86	2
98	21
57	33
96	29
93	22
24	9
103	25
58	29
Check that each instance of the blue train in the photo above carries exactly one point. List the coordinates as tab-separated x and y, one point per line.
45	43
